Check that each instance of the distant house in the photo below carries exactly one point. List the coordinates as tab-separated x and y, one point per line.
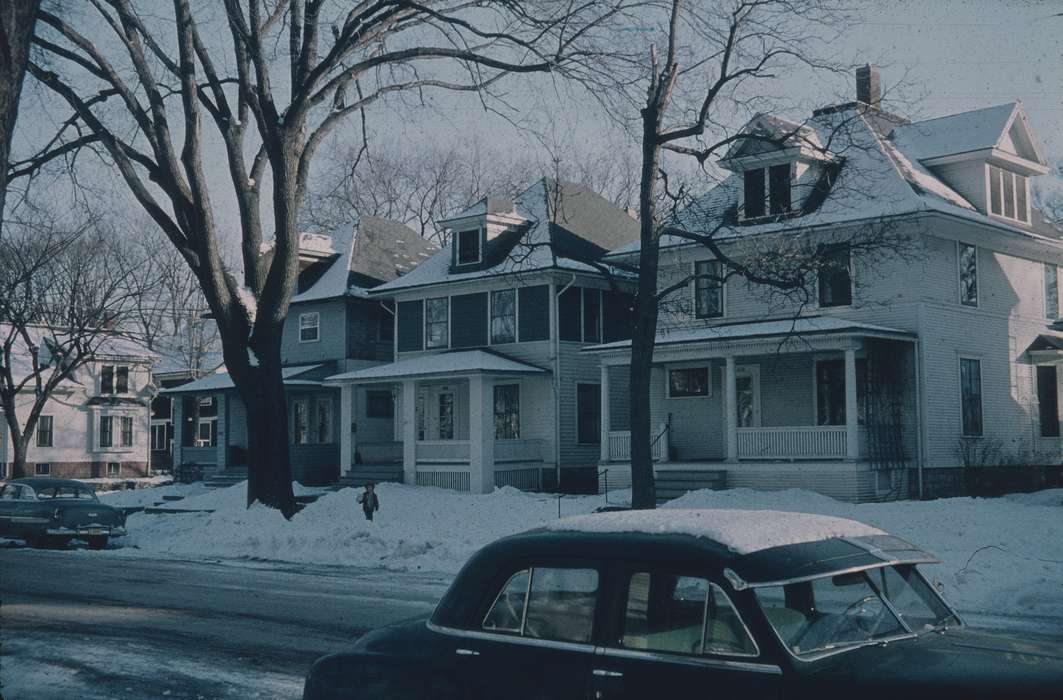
901	370
489	387
171	371
333	326
96	422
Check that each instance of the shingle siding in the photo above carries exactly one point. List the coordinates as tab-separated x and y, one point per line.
410	326
468	320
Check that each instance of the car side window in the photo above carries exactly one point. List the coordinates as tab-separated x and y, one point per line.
546	603
683	614
8	492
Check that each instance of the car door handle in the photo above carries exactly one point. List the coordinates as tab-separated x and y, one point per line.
466	652
605	673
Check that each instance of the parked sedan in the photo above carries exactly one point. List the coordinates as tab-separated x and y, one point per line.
45	511
700	603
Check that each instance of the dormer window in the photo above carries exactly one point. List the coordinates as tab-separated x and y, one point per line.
1007	194
767	190
468	246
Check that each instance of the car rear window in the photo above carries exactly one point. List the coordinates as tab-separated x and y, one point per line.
546	603
66	492
684	615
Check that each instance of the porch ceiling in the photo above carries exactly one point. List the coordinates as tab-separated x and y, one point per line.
447	364
805	334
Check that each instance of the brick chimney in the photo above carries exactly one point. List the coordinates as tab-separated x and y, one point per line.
868	85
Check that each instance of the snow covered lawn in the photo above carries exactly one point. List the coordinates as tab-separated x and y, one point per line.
999	556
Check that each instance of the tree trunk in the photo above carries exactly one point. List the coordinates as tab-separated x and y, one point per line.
261	386
644	332
17	19
18	465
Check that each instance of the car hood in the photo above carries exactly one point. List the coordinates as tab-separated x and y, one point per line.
973	663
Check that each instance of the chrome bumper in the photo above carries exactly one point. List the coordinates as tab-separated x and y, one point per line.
87	531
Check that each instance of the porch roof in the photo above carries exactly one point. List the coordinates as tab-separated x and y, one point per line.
781	328
1047	349
221	381
443	364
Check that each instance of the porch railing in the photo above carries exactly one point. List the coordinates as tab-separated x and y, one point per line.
620	444
804	442
442	451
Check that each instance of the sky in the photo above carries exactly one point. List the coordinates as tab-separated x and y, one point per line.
935	56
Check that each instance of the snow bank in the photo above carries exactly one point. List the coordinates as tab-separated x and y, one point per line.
999	556
142	497
741	531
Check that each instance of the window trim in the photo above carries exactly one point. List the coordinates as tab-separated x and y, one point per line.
959	275
305	402
424	329
520	410
117	469
491	316
981	393
601	572
114	379
1045	267
1003	175
51	430
479	247
37	468
687	366
694	290
317	326
852	280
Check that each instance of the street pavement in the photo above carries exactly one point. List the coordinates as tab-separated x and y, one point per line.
88	625
94	625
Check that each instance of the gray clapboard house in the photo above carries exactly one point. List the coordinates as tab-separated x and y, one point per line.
489	386
333	325
903	368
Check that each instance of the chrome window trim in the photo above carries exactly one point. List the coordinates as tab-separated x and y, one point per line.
745	627
524	610
741	584
681	660
511	639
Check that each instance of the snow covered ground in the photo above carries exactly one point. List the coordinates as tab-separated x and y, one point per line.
999	556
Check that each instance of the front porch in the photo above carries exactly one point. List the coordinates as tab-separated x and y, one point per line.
458	420
817	403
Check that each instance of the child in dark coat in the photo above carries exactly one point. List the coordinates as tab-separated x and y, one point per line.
370	501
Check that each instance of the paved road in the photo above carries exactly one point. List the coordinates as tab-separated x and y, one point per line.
78	624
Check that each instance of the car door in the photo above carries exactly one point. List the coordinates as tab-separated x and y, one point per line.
679	634
8	498
536	638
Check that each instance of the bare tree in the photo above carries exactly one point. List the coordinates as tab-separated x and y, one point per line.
275	79
17	19
420	184
62	295
711	69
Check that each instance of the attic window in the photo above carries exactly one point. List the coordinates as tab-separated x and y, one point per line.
468	246
1007	194
767	189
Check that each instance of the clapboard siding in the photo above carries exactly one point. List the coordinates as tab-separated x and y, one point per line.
332	333
575	367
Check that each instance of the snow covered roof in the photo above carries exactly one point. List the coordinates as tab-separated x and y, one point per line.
955	134
447	363
109	347
565	225
741	531
797	327
360	257
221	381
881	175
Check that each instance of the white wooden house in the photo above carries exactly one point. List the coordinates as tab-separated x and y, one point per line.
901	370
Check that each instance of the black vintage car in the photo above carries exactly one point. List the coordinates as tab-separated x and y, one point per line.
757	606
47	511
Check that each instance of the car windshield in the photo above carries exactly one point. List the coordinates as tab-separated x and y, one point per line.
67	491
849	610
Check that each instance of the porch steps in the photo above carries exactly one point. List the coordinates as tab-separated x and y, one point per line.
223	479
673	483
363	474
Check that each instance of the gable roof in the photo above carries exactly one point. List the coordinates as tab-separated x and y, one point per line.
365	254
565	225
956	134
877	177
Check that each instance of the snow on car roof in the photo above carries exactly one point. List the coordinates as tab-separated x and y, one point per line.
741	531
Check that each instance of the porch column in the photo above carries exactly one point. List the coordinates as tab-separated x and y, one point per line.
730	377
346	443
481	434
409	432
604	415
852	441
177	408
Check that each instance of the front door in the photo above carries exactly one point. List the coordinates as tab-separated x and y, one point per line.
682	635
